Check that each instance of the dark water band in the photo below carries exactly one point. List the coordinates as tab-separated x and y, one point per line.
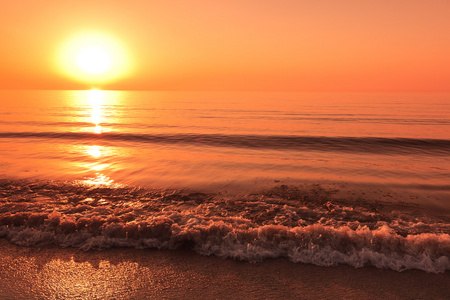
376	145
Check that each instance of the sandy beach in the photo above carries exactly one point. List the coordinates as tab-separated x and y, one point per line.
57	273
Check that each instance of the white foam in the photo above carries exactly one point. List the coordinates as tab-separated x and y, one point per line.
251	228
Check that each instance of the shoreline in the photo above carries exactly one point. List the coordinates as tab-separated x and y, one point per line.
124	273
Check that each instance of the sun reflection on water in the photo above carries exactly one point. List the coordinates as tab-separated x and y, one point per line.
94	151
96	99
99	167
99	179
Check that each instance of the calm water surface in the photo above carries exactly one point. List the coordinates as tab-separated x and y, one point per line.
224	140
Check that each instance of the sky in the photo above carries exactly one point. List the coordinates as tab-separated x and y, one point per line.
263	45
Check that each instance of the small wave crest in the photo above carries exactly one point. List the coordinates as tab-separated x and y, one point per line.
380	145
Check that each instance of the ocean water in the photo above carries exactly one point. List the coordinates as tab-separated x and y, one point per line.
322	178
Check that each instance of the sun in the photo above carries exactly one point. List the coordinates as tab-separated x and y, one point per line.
94	58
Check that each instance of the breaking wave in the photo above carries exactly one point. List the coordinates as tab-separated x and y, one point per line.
307	225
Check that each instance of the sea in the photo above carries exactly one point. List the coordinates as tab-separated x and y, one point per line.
357	179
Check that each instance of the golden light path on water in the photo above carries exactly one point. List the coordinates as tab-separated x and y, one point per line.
96	100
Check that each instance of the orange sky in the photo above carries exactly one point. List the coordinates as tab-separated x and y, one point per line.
294	45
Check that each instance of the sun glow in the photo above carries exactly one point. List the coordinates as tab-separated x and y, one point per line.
94	58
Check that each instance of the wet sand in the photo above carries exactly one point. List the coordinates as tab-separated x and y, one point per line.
56	273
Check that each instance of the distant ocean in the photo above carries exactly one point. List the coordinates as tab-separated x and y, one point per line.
361	179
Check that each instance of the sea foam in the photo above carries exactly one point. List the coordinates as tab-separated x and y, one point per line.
307	226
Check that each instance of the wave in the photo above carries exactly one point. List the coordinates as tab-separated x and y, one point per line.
306	225
379	145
